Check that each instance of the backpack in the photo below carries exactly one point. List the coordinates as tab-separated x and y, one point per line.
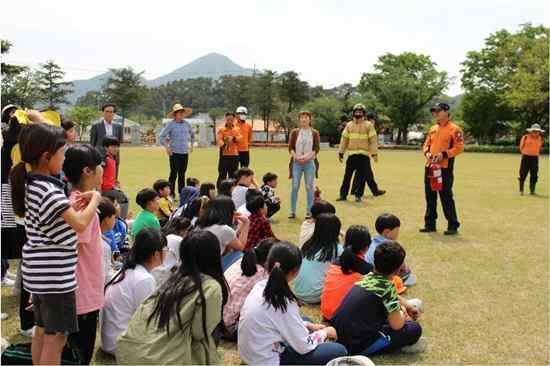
20	354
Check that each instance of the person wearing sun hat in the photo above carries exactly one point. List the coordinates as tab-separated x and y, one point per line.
178	137
529	146
443	143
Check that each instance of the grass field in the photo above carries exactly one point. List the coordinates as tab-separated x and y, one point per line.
485	291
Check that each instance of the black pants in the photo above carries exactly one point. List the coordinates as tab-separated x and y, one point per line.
84	340
272	208
360	164
244	159
26	317
227	167
529	165
447	200
178	167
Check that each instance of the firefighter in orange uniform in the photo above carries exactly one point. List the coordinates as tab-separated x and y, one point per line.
246	134
529	146
444	141
228	139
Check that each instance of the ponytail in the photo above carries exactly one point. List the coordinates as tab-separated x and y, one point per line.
283	258
256	256
18	180
148	241
357	240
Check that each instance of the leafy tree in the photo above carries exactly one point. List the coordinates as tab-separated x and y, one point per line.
125	89
265	92
83	116
18	82
53	90
215	114
326	113
292	90
403	85
7	69
93	99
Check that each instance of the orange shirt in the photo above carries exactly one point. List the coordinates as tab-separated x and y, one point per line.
447	139
246	134
230	147
337	286
530	144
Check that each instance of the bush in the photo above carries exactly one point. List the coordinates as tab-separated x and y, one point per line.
469	148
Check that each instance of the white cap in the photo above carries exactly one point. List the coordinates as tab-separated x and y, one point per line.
242	109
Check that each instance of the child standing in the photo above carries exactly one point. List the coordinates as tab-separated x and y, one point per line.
83	169
271	330
318	252
148	200
529	146
110	183
51	225
166	206
268	191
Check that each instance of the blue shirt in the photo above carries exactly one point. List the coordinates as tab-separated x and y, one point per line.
180	134
117	237
376	241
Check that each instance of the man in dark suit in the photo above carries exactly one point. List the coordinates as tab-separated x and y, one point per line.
106	127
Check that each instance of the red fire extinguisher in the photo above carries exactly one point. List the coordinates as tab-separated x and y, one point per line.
434	174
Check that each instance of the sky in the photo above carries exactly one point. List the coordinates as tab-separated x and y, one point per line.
327	42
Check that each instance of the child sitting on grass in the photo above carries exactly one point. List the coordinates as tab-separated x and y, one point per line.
308	226
260	228
268	191
118	236
148	200
166	205
245	180
107	218
387	226
370	319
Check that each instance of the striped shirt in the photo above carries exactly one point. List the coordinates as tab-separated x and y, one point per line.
49	255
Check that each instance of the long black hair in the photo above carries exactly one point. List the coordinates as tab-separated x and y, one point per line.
225	187
284	257
193	209
148	241
35	140
78	157
218	211
256	256
176	225
324	239
357	240
200	255
205	188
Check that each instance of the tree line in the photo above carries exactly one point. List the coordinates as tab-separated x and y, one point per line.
505	84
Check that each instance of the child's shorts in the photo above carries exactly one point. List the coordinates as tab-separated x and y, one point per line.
56	313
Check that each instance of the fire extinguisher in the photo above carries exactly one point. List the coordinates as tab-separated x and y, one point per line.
434	174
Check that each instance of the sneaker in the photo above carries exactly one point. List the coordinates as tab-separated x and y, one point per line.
7	282
379	193
427	229
4	316
341	199
417	304
418	347
29	333
291	216
410	280
308	216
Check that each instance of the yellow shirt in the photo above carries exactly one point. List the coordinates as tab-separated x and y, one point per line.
166	207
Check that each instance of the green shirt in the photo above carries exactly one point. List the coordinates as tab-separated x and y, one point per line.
383	288
146	344
144	219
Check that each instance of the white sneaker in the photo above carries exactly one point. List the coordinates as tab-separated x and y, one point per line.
27	333
7	282
10	275
417	304
418	347
4	316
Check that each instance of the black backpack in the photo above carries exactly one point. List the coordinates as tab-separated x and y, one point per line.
20	354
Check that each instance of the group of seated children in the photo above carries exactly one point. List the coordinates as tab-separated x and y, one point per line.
210	272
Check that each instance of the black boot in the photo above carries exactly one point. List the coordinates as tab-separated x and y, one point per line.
532	186
428	228
521	185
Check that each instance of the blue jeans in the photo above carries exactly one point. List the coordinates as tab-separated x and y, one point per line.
308	170
324	353
406	336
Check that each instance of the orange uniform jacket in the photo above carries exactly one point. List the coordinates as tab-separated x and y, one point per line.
230	148
447	140
246	134
530	145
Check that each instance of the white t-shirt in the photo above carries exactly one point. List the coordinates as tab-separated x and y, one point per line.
243	210
262	330
172	259
239	195
121	302
306	231
224	233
